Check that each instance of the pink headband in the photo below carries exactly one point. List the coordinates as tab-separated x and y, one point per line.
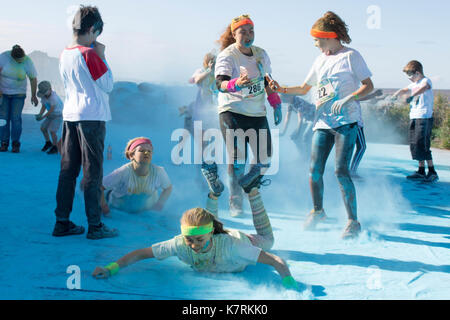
139	142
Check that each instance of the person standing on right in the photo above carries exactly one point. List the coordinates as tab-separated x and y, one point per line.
87	82
341	77
421	100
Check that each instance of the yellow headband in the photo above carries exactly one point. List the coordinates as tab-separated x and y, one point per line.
196	230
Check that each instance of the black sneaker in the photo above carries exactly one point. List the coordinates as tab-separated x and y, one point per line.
209	171
253	178
431	177
256	183
101	231
53	150
46	146
416	176
67	228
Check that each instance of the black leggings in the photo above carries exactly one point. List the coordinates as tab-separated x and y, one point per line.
254	131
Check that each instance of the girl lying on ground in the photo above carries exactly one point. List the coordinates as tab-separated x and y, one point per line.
207	247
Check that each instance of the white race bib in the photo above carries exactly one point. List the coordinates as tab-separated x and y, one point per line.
325	92
255	88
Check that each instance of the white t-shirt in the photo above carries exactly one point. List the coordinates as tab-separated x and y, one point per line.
344	71
124	181
13	75
229	252
87	82
53	100
249	101
204	107
421	105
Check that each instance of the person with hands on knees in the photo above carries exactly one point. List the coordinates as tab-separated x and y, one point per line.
206	246
241	75
134	186
15	67
421	100
341	77
53	117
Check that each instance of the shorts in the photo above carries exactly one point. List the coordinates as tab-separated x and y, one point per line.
52	123
420	138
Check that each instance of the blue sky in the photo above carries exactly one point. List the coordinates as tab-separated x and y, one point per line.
165	41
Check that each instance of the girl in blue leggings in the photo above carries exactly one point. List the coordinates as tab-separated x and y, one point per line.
340	76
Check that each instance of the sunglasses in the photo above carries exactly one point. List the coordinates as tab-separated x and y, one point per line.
410	73
241	17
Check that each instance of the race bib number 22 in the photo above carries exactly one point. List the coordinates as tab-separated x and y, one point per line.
325	92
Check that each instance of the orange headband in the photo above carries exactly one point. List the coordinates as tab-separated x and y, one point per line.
236	24
323	34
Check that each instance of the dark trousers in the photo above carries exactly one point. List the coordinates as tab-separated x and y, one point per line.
420	138
82	144
262	144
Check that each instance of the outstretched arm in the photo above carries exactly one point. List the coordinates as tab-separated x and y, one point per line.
298	91
276	262
130	258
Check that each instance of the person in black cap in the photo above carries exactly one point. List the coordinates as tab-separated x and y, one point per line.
87	81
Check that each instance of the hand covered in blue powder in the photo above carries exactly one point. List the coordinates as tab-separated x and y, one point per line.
290	283
277	115
409	99
337	106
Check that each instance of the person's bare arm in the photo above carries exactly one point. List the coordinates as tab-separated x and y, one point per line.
165	194
128	259
276	262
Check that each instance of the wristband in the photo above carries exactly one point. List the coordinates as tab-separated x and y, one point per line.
274	99
232	86
113	268
355	96
290	283
282	90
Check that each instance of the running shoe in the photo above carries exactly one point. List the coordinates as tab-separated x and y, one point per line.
66	228
313	219
431	177
46	146
352	230
101	231
257	183
252	178
416	176
209	171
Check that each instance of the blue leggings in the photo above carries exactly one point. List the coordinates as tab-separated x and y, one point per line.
344	139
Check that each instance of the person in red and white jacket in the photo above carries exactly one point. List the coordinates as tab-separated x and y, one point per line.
87	82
